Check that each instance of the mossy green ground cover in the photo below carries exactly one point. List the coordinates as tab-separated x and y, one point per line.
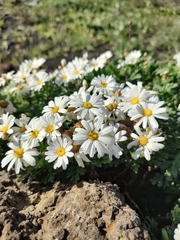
54	28
67	28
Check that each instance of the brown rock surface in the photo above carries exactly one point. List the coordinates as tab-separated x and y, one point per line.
85	211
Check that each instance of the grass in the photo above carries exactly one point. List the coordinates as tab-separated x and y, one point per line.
53	29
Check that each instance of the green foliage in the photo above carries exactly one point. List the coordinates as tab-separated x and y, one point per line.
152	227
51	29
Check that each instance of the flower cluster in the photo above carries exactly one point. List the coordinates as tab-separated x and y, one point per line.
90	122
132	58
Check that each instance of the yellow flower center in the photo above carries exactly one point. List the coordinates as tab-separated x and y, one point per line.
18	152
4	104
87	105
103	84
22	129
55	109
64	77
20	88
111	106
135	100
60	151
71	109
76	72
50	128
22	76
34	134
4	129
95	64
147	112
93	135
30	66
75	148
143	141
39	81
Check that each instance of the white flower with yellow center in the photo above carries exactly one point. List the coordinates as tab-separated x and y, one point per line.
51	124
34	133
5	78
20	155
76	68
146	142
20	128
132	96
58	151
6	123
34	63
147	113
177	232
6	106
20	89
63	76
104	84
87	106
38	81
113	107
95	64
22	75
93	137
58	106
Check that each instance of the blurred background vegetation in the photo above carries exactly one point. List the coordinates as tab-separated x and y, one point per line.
59	28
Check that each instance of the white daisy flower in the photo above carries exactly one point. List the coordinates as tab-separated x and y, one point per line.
121	63
115	149
34	63
79	157
177	58
20	128
6	106
63	76
5	78
58	106
113	107
22	75
146	142
94	137
106	55
132	96
177	232
39	80
133	57
21	89
20	155
147	114
95	64
104	84
76	68
51	124
59	150
34	133
87	106
6	123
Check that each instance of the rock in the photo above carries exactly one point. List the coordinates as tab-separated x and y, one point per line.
85	211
